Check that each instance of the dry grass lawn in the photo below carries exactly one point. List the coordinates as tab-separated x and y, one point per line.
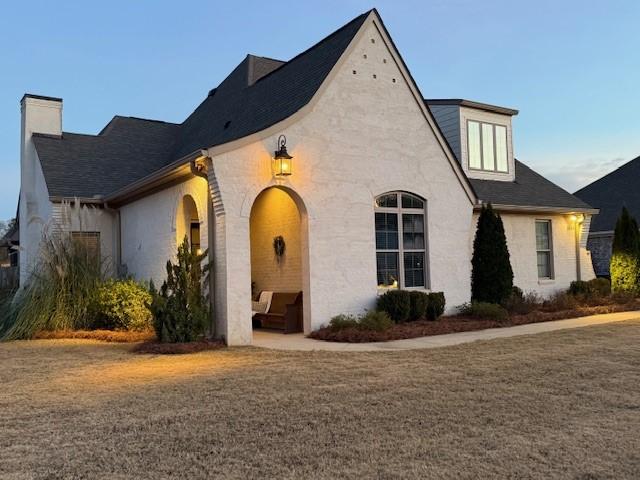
556	405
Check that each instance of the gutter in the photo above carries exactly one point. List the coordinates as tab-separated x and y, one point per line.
535	209
156	176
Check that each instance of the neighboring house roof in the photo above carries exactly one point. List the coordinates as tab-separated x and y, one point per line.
259	93
471	104
529	189
612	192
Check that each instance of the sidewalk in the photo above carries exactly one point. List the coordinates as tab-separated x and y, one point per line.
279	341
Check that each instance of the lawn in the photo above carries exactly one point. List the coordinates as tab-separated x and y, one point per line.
557	405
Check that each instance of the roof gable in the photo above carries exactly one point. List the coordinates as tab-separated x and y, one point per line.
612	192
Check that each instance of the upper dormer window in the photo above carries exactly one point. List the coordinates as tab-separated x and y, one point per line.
487	147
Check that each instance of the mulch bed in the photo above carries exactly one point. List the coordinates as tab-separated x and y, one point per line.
102	335
158	348
455	324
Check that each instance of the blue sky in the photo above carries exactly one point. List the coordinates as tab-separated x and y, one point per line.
572	68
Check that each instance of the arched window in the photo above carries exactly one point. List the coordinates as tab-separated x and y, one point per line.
401	241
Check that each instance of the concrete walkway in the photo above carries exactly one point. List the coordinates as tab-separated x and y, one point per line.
279	341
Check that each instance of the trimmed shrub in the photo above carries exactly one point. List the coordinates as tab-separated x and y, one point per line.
419	302
376	321
342	321
122	305
371	320
435	306
579	287
180	310
491	275
600	286
396	303
485	311
625	263
597	287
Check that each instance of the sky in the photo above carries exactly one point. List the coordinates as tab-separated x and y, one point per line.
572	68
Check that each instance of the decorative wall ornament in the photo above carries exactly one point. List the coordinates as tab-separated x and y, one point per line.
279	246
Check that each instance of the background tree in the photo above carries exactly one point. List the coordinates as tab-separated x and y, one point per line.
625	256
491	275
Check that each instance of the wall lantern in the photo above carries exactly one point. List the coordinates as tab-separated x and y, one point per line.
282	162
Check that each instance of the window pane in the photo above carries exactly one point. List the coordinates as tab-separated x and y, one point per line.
389	200
474	145
544	264
487	147
386	231
542	236
501	149
410	201
387	266
413	231
414	269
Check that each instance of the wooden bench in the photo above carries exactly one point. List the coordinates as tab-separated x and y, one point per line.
285	313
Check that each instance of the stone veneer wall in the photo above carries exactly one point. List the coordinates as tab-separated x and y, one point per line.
600	248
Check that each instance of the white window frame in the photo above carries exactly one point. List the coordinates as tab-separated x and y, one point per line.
495	153
549	250
399	211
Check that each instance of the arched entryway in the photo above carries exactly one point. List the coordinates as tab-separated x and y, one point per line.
188	223
279	261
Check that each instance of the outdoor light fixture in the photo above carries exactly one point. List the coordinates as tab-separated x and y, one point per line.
282	161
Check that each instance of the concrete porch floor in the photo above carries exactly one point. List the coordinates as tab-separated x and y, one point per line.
279	341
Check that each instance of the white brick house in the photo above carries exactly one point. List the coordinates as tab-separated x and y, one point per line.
383	193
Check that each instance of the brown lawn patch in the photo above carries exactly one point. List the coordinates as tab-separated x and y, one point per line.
102	335
558	405
178	348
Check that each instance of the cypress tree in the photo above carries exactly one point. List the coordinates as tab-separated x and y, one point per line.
625	255
491	274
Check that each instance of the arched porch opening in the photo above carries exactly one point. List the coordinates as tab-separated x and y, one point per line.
280	261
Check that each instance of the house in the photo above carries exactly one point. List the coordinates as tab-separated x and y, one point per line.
609	194
369	186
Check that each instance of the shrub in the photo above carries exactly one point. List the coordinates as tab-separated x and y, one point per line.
180	310
60	291
435	305
342	321
625	263
419	302
376	321
560	301
522	303
597	287
579	287
484	310
600	286
122	305
397	304
371	320
491	274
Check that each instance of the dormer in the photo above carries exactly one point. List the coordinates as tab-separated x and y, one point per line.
480	136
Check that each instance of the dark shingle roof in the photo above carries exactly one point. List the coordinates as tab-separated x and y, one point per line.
260	92
528	190
88	165
613	191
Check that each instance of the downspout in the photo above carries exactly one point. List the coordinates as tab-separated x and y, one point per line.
578	227
200	170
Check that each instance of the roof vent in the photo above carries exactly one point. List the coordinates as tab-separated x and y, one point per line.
226	124
212	92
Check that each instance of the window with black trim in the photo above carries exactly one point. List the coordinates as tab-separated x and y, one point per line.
487	146
401	241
